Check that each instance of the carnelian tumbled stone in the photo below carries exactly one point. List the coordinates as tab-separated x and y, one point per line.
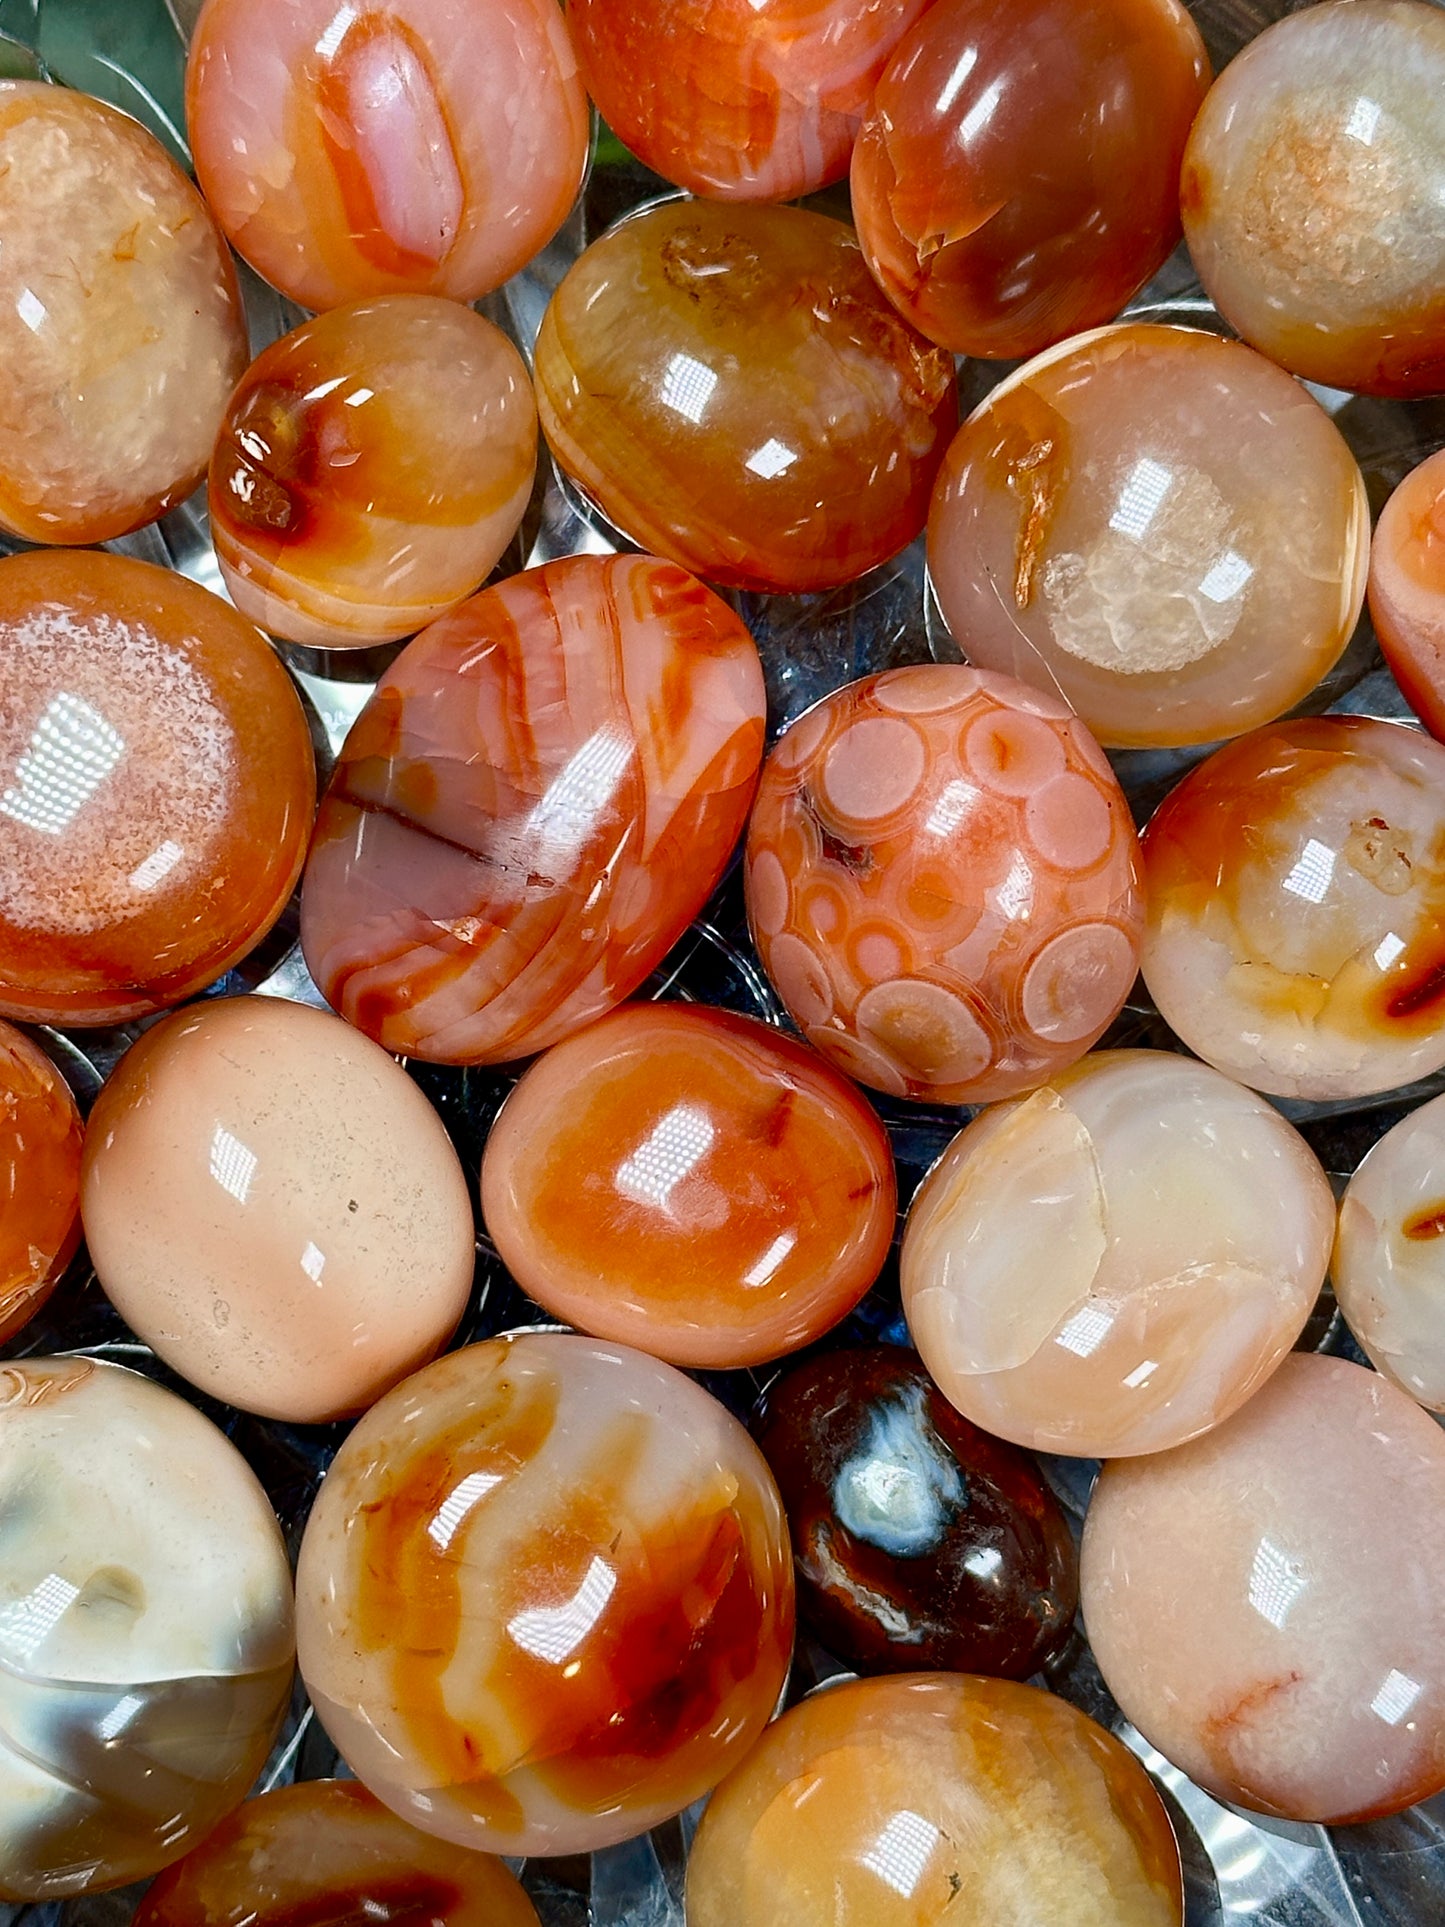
1407	589
370	470
411	146
1016	178
156	787
740	100
730	388
533	806
545	1596
690	1182
40	1140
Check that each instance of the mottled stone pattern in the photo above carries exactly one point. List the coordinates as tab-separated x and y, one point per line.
146	1640
690	1182
1407	589
413	146
1313	193
943	883
738	100
1296	926
1162	527
328	1851
40	1141
370	470
545	1595
121	331
1016	175
731	389
1116	1262
931	1799
539	797
1268	1604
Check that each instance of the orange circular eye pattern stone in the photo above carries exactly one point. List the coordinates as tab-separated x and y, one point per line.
156	787
1296	929
535	803
692	1183
740	100
943	883
405	147
327	1850
40	1138
1016	177
730	388
932	1799
121	331
370	470
545	1595
1161	526
1407	589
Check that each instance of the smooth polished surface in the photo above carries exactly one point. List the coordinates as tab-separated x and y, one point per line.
370	470
1313	193
935	1798
1160	526
943	883
156	787
545	1595
40	1138
1015	178
1407	589
274	1207
739	100
1115	1263
329	1851
537	800
1389	1264
730	388
1267	1604
918	1540
692	1183
413	146
146	1642
1296	885
121	331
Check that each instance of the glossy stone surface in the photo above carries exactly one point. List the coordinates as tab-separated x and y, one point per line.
121	331
1268	1604
156	787
1116	1262
1162	527
1296	884
537	800
918	1540
935	1798
1313	193
272	1205
146	1641
739	100
1389	1263
545	1595
1015	178
1407	589
730	388
411	147
692	1183
370	470
329	1851
942	882
40	1138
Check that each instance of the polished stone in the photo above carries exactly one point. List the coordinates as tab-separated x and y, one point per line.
1407	589
40	1140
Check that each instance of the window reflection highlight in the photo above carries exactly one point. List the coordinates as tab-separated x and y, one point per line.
901	1852
671	1152
553	1633
71	752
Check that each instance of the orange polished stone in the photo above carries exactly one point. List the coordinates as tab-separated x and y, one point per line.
730	388
1016	178
156	787
692	1183
40	1137
740	100
371	468
1407	589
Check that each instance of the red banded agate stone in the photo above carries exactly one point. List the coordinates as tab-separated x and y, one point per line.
535	803
40	1136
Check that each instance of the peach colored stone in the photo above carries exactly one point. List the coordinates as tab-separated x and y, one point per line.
40	1138
1407	589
